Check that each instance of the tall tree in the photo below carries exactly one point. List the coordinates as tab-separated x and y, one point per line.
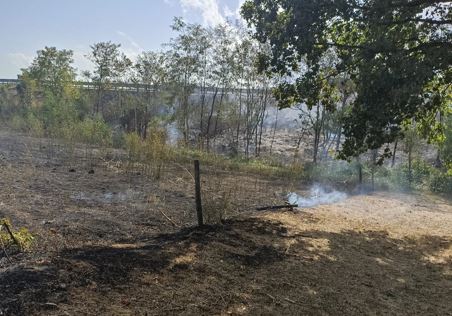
51	72
109	65
150	72
186	53
391	49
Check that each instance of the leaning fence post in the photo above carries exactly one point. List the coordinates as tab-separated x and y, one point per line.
198	194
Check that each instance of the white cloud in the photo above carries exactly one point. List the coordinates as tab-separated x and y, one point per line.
20	60
136	47
81	62
11	63
209	9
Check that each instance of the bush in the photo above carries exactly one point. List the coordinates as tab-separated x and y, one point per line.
28	123
95	131
440	182
133	147
35	126
151	153
22	238
19	123
424	177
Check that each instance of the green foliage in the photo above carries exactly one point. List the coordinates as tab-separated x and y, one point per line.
28	123
50	73
262	165
152	152
446	146
56	115
424	176
392	51
23	237
133	146
109	62
441	183
95	131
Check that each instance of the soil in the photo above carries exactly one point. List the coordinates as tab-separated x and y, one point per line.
111	240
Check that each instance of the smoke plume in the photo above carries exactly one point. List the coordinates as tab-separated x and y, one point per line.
318	195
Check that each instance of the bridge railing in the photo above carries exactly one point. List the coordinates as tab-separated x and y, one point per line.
124	86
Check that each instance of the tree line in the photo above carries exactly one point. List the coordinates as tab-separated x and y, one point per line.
204	81
365	80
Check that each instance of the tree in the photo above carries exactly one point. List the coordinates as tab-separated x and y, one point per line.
109	65
410	142
151	72
51	72
186	59
48	91
390	49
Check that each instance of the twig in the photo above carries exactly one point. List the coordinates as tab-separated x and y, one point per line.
270	296
276	207
289	300
169	219
191	175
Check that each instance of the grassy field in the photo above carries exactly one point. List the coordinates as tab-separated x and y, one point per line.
110	239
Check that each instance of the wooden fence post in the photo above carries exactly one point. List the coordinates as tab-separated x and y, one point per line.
198	194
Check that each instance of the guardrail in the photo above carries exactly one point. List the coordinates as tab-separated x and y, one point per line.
9	81
134	87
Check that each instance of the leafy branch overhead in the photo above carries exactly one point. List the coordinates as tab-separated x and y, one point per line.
397	53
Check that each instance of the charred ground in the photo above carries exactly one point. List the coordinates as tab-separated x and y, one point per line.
103	245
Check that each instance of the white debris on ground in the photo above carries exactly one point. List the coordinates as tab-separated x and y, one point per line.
318	195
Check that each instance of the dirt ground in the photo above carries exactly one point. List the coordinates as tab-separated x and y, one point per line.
117	242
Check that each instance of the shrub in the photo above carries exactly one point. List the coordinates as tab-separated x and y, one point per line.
34	125
440	182
95	131
133	147
152	152
18	123
21	238
216	206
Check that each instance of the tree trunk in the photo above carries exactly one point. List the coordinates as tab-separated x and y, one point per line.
317	131
274	130
410	172
394	154
209	120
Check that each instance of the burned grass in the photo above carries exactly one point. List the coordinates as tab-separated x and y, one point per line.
102	247
246	266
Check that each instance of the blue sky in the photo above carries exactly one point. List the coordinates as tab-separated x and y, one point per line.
28	25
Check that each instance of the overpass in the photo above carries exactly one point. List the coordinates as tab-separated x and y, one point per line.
136	87
9	81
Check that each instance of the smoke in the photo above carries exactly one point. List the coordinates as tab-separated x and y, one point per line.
287	118
173	133
318	195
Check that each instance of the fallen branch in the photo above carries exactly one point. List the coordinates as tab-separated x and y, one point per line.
169	219
289	300
277	207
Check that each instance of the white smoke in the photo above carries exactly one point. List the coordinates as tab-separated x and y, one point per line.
317	196
173	133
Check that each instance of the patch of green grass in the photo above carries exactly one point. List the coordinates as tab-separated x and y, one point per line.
260	166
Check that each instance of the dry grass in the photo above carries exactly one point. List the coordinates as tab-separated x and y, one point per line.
103	246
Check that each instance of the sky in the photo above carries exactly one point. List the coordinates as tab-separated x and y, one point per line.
138	25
